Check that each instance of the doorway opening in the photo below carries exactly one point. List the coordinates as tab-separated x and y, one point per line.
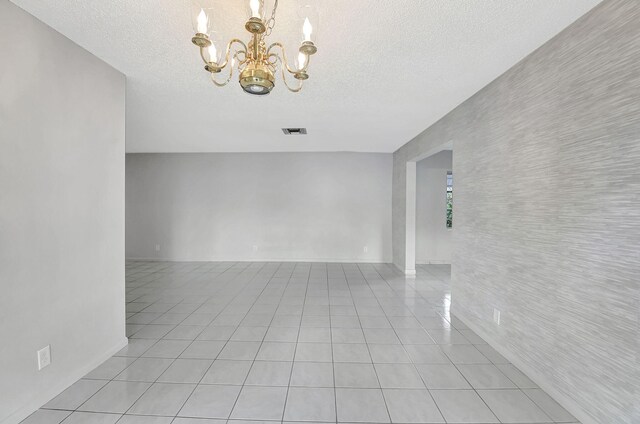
430	215
434	209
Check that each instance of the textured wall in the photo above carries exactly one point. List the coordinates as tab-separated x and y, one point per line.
290	206
62	130
547	223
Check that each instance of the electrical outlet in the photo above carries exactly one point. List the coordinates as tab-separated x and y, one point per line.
496	316
255	248
157	247
366	249
44	357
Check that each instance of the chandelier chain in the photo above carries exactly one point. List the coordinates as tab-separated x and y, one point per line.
272	20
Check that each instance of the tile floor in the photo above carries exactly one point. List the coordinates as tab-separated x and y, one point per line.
293	342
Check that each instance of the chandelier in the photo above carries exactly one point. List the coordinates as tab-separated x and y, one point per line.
256	63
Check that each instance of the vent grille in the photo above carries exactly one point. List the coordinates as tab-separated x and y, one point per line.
294	131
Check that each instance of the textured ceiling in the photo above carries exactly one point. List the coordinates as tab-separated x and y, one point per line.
385	70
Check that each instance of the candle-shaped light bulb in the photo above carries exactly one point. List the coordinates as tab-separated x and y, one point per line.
213	53
307	30
302	60
203	22
255	8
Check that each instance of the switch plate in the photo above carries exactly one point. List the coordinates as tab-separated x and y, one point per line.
496	316
157	247
255	248
366	249
44	357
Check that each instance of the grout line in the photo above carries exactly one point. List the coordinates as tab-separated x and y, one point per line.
242	279
174	360
260	347
216	358
460	372
333	359
415	368
367	344
295	350
140	357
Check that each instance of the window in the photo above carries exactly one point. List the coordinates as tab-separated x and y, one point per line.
449	199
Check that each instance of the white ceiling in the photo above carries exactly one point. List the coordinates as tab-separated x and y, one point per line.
385	71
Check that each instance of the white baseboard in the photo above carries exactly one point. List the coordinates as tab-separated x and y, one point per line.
44	397
311	260
434	262
566	402
406	272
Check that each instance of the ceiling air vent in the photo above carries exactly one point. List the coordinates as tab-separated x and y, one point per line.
294	131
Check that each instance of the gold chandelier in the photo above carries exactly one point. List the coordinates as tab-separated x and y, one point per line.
256	63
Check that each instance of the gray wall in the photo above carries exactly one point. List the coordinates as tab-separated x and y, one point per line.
291	206
434	240
547	218
61	211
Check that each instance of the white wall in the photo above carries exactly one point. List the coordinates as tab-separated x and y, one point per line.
292	206
61	211
433	238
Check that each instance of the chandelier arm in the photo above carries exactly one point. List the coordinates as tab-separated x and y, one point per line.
222	84
202	55
282	59
284	78
235	40
293	90
242	61
227	52
305	68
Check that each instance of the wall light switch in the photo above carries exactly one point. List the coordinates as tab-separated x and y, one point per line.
496	316
157	247
44	357
366	249
255	248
